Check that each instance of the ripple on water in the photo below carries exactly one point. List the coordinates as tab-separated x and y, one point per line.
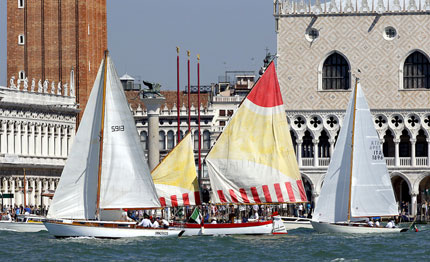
298	245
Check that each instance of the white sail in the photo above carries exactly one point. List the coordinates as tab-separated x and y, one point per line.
125	178
332	204
371	190
126	181
76	193
253	160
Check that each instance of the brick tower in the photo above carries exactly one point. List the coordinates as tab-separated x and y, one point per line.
47	38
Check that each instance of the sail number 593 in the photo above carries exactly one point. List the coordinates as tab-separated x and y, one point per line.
117	128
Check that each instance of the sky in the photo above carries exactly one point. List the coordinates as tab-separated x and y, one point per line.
143	35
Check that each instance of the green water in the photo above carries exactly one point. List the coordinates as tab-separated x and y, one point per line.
298	245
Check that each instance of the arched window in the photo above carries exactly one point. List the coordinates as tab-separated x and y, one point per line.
206	139
144	140
196	140
323	145
405	144
421	148
416	71
307	145
335	73
170	140
162	140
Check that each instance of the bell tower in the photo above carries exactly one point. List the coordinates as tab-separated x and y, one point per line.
46	39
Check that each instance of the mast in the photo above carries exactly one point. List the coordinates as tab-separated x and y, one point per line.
352	150
198	112
189	94
25	192
177	94
101	135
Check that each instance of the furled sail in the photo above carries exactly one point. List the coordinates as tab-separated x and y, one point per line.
76	193
175	178
253	160
126	181
371	190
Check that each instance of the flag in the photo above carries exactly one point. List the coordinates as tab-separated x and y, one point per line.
196	215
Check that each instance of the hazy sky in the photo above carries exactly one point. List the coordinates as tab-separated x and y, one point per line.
142	36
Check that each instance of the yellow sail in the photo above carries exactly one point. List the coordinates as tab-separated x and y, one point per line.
175	178
253	160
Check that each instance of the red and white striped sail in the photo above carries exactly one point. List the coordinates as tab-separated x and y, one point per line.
253	160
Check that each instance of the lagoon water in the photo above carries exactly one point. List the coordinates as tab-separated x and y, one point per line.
298	245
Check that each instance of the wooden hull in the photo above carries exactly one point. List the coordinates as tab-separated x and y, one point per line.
292	223
101	229
22	226
251	228
353	229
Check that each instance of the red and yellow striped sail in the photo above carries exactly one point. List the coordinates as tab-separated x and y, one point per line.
253	160
175	178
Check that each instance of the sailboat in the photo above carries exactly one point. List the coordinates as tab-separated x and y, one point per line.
106	171
253	160
175	179
357	184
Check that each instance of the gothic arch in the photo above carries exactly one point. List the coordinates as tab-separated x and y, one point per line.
402	65
321	66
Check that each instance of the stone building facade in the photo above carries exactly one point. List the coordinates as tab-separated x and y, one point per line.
46	39
323	47
36	133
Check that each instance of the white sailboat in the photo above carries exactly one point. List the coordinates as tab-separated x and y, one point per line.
357	184
105	172
253	160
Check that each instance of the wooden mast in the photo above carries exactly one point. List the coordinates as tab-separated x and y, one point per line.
25	192
101	135
352	150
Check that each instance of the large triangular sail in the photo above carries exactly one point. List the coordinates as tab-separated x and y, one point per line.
175	178
125	180
76	193
371	189
358	145
253	160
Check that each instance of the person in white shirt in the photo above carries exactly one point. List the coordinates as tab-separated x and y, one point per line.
370	223
377	223
164	223
145	222
156	224
391	224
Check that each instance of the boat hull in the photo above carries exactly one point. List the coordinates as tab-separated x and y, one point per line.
106	230
251	228
22	226
291	223
322	227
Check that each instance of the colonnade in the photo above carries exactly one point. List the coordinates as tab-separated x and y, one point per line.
34	187
35	138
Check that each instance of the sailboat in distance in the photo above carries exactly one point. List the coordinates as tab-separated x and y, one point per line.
357	184
106	171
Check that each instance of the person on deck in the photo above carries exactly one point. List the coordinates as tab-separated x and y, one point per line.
156	223
370	223
391	224
377	223
145	222
164	223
